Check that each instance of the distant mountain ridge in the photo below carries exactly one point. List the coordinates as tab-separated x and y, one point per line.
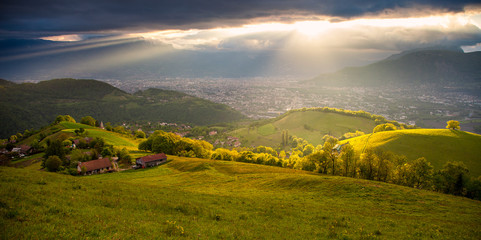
33	105
431	67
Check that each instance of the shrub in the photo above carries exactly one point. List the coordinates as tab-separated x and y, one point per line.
53	163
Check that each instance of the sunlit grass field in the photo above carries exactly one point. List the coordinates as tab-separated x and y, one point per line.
437	145
309	125
112	138
205	199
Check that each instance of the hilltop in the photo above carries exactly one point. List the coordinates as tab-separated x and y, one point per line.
434	68
309	124
28	105
437	145
206	199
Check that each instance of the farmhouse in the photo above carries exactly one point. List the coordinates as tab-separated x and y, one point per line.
338	147
151	160
95	166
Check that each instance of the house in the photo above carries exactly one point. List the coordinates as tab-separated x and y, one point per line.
338	148
151	160
95	166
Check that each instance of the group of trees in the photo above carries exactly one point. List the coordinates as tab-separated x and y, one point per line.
173	144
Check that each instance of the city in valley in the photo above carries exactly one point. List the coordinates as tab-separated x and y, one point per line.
260	98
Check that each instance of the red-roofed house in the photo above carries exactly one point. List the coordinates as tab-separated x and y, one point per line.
151	160
95	166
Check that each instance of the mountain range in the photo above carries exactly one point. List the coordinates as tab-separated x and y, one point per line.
430	67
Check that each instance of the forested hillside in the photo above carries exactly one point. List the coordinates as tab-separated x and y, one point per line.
28	105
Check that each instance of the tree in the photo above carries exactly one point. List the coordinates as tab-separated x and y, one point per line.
384	127
53	163
163	142
367	164
474	189
308	149
383	164
422	172
146	145
320	160
108	126
98	144
88	120
349	160
139	134
120	129
79	131
78	156
246	156
329	143
124	156
62	118
452	178
54	148
453	124
306	163
107	151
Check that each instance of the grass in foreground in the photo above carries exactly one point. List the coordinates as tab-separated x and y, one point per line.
205	199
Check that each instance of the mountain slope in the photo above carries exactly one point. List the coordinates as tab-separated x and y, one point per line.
438	146
438	68
28	105
193	198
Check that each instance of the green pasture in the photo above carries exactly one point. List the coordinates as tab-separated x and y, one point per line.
205	199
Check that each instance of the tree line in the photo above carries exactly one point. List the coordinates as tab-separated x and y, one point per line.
334	159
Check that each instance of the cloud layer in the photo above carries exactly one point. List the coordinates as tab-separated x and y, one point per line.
59	17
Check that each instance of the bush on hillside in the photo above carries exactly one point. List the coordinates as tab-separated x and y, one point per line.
53	163
384	127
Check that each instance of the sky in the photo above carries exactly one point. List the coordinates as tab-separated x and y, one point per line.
314	36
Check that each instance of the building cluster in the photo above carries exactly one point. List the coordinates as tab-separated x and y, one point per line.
260	98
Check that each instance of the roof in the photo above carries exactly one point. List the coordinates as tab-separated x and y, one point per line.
154	157
96	164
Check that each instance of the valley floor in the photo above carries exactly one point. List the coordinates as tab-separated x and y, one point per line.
206	199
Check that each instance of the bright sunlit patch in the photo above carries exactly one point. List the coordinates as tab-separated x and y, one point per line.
474	48
64	38
310	30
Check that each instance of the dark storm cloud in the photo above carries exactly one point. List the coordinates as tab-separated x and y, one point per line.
50	17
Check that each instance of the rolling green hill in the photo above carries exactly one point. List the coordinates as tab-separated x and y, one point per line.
64	130
113	138
310	125
437	145
28	105
206	199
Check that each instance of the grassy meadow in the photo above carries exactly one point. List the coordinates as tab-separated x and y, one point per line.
112	138
204	199
437	145
309	125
